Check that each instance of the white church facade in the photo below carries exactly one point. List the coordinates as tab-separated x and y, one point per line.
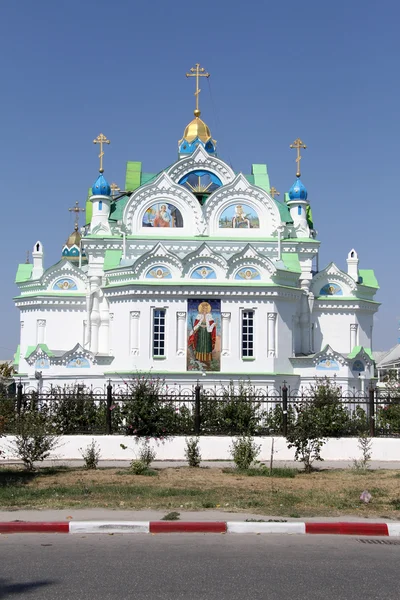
197	273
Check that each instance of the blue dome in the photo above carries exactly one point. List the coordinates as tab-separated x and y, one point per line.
101	186
298	191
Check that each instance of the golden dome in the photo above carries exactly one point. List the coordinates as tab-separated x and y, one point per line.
74	239
197	129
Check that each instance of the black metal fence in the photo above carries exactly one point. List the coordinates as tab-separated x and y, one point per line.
158	412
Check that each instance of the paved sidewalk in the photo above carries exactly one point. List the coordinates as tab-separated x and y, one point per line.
103	514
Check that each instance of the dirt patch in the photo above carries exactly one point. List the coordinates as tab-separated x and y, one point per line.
327	493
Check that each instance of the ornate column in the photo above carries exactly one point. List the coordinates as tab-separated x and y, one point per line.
353	335
225	333
95	283
41	330
180	333
134	332
111	317
271	334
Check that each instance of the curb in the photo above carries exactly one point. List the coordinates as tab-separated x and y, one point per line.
110	527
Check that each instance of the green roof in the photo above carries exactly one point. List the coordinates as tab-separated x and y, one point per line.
17	356
291	261
24	273
117	208
112	259
284	212
358	349
367	277
43	347
261	178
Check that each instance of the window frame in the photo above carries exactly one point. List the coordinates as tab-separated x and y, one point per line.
156	342
247	346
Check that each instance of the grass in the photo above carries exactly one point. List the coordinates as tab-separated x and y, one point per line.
286	493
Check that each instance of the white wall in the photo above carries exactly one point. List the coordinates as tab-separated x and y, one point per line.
212	448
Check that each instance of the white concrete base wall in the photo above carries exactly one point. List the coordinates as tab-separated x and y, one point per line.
211	448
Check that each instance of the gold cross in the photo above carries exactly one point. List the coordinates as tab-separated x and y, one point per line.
114	189
298	144
101	139
76	210
197	72
274	192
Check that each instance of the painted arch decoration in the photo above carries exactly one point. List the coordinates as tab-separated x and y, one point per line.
248	274
201	182
162	214
159	272
331	289
65	284
203	272
78	362
327	364
239	216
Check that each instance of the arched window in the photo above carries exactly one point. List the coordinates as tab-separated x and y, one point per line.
201	184
100	204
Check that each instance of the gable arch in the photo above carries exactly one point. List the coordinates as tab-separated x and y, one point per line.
200	159
249	258
241	192
64	271
158	257
332	277
163	191
205	257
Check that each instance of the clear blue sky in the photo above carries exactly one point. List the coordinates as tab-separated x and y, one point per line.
325	71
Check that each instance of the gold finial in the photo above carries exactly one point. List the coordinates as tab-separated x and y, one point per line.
114	189
27	262
298	144
101	139
197	72
76	210
274	192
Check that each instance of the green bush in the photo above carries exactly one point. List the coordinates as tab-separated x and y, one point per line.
91	455
34	440
244	452
192	452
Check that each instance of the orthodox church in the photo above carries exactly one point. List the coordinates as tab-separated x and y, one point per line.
197	273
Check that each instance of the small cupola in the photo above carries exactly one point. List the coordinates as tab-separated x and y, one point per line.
197	133
298	191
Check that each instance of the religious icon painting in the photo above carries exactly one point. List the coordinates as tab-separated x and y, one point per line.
327	364
65	284
203	273
159	272
163	215
331	289
248	274
239	216
204	335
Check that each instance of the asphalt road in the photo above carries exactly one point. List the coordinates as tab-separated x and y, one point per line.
197	567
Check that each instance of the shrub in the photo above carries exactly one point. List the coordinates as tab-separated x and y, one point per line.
365	445
34	440
244	452
91	455
192	452
146	453
148	412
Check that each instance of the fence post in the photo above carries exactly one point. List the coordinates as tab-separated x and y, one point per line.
109	404
371	412
20	387
197	423
284	409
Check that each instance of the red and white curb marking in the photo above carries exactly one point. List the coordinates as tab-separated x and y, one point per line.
79	527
